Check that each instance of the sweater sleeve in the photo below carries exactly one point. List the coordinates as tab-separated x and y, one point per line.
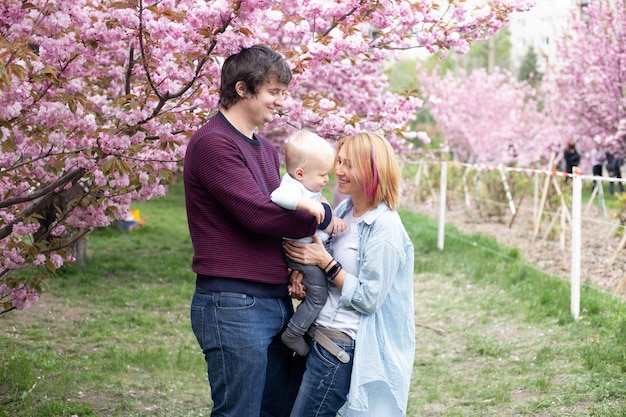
239	176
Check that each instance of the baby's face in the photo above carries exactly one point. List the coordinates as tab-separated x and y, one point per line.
315	175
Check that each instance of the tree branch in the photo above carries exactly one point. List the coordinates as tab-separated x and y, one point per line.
45	194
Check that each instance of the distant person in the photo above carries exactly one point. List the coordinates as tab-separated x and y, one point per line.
614	168
571	158
308	159
597	162
511	155
241	302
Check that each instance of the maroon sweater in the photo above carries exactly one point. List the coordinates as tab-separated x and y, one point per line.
235	228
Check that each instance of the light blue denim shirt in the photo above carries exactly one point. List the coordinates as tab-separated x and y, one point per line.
383	293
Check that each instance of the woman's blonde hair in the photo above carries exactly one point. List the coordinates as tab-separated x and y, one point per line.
376	166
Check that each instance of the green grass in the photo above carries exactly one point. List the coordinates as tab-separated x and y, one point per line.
512	346
114	338
495	336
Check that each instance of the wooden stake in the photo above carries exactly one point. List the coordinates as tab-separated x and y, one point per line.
468	202
507	190
519	202
591	198
551	224
621	245
544	197
563	203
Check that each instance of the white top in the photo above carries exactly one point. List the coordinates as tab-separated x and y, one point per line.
597	157
345	246
288	195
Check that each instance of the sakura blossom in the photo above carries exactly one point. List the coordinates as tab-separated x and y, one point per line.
106	96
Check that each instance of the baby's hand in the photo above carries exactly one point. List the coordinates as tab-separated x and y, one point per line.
337	225
314	208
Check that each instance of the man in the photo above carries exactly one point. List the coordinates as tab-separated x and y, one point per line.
241	303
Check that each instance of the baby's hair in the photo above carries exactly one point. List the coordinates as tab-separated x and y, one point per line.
304	145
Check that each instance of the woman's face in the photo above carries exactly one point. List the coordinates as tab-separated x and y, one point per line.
346	176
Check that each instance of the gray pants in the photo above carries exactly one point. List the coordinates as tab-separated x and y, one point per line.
314	279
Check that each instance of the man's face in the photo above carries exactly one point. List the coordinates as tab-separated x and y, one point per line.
269	98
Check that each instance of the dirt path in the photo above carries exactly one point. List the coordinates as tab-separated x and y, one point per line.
550	253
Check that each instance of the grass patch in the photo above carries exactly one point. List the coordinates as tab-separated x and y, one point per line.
510	346
494	335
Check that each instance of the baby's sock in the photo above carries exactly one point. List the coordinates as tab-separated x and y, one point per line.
295	342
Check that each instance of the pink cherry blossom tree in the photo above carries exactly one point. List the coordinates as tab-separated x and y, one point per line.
491	118
586	87
98	98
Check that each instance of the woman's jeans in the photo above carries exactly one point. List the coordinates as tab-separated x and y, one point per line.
325	384
251	372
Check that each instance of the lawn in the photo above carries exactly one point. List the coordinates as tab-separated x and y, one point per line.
494	336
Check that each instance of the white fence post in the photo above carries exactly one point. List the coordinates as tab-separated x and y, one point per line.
509	197
442	204
577	186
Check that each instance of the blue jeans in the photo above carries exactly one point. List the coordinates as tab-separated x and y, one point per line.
325	383
251	372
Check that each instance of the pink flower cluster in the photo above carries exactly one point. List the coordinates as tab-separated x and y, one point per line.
586	88
17	298
491	117
107	94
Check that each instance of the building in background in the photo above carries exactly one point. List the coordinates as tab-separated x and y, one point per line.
540	28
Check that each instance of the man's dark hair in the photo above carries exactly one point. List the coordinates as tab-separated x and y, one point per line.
254	66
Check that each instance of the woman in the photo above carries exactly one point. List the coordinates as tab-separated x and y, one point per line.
369	315
571	158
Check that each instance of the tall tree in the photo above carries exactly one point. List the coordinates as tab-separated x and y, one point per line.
495	50
587	87
490	117
528	68
101	96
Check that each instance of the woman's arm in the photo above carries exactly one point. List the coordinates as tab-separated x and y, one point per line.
315	254
378	269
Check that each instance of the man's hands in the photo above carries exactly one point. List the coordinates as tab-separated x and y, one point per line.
296	289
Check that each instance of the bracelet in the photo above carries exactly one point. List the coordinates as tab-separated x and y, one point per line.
333	271
334	275
331	261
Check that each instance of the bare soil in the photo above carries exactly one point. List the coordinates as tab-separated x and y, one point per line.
548	247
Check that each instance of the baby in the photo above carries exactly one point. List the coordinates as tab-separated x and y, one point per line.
308	159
